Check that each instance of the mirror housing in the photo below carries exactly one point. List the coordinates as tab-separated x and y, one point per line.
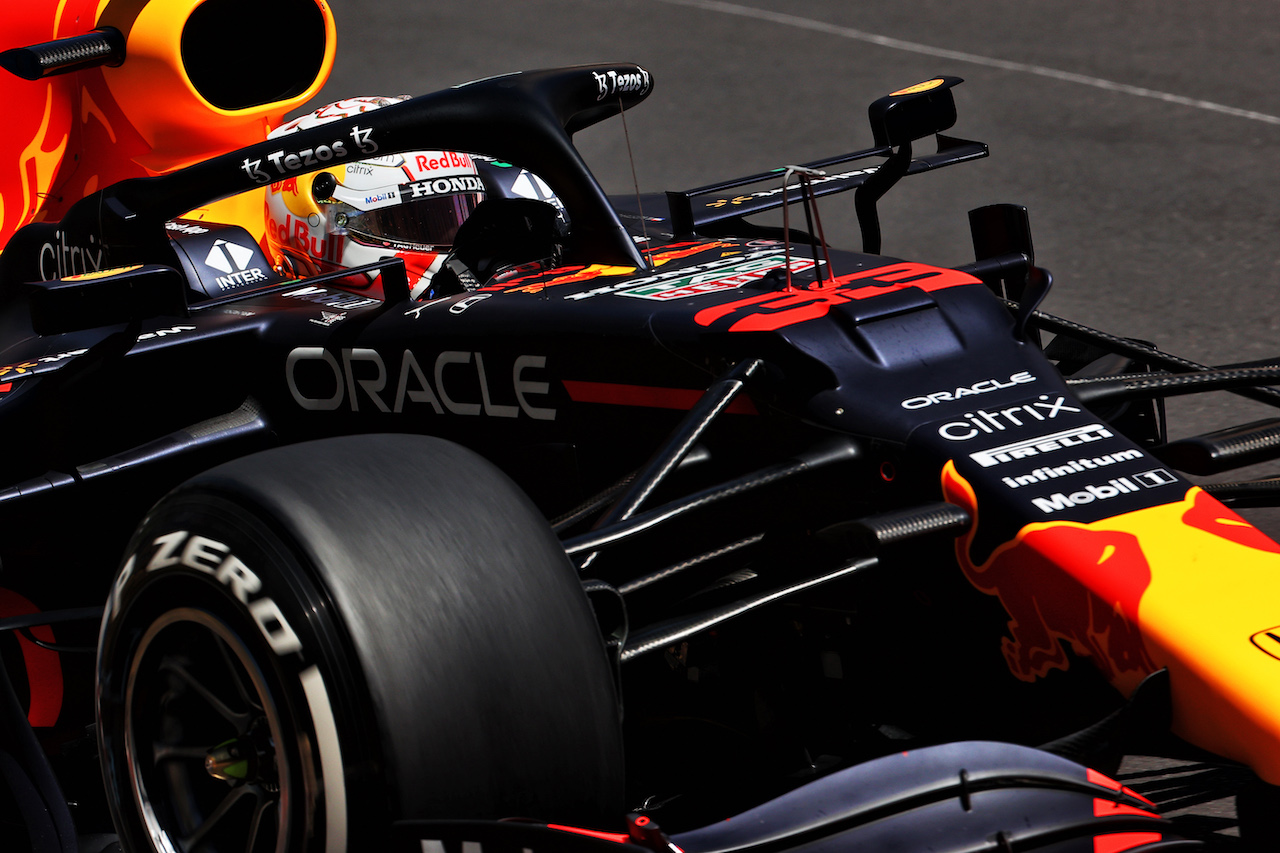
914	112
107	298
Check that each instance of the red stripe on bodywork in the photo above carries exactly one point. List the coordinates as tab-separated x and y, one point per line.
1107	782
1107	808
1101	779
1137	796
44	668
1120	841
649	396
619	837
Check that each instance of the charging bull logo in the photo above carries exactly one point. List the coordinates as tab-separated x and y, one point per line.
1063	582
1187	585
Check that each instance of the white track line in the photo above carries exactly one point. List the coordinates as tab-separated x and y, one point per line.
971	58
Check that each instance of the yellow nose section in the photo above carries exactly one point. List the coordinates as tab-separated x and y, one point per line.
1189	586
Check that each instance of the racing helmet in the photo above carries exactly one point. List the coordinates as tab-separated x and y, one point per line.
346	215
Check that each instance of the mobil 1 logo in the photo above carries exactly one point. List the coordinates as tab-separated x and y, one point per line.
1133	486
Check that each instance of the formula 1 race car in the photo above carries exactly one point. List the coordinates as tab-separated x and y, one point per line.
626	512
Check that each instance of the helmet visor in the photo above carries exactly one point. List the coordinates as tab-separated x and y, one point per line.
422	224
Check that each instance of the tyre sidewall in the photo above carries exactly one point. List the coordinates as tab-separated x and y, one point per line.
202	556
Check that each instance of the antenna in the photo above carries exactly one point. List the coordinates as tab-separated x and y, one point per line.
812	219
635	183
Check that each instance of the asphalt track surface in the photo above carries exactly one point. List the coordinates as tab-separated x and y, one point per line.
1143	137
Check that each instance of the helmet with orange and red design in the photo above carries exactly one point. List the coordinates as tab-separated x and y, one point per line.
407	206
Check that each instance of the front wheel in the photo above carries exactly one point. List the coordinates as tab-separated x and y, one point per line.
309	643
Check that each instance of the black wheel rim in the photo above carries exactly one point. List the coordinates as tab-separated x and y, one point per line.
202	740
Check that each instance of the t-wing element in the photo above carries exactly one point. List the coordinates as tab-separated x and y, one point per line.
103	46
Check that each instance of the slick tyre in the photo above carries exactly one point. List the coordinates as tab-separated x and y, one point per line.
307	644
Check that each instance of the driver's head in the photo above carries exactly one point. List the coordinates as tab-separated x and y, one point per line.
407	206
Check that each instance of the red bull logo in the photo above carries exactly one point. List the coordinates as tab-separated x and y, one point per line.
295	233
1063	583
435	161
1188	586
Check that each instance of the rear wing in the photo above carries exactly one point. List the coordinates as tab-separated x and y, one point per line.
897	120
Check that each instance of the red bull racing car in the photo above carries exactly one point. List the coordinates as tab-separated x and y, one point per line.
582	515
